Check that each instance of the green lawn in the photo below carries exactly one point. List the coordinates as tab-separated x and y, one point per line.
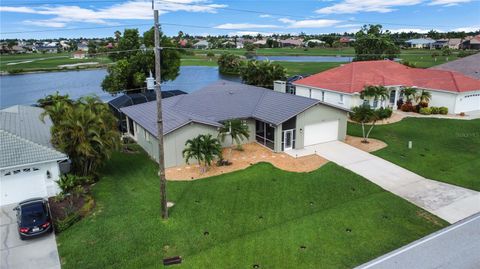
43	62
294	68
443	150
260	215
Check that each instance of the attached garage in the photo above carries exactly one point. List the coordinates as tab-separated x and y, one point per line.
321	132
469	102
21	184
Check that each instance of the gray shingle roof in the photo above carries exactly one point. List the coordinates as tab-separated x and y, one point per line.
469	66
218	102
24	138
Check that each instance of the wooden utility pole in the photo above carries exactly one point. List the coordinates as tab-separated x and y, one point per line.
158	91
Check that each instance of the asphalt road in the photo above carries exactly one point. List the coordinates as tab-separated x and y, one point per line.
34	253
457	246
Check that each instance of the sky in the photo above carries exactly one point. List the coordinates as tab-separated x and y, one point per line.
101	18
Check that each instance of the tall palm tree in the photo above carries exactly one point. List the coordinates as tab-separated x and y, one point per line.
204	149
409	93
374	93
193	150
363	114
236	129
423	97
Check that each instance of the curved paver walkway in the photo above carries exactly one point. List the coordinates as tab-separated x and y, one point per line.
449	202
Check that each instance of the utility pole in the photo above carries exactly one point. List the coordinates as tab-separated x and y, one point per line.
158	91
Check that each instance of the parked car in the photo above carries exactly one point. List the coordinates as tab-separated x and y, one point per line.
33	218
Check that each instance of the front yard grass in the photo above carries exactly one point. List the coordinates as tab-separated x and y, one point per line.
329	218
443	149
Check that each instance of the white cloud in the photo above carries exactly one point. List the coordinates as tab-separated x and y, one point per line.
310	23
408	30
130	10
467	29
239	26
265	16
354	6
286	20
348	25
252	33
447	3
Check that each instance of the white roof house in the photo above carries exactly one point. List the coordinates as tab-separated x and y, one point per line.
29	164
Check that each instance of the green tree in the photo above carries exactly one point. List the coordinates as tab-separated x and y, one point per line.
85	130
365	115
374	44
130	71
262	73
446	51
409	93
204	149
92	48
236	129
127	45
423	97
229	63
375	93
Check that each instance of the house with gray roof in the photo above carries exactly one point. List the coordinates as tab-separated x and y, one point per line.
278	121
29	164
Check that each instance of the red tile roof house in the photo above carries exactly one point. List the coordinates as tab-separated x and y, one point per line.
341	86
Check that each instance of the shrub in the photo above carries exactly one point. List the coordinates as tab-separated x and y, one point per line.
407	107
62	225
210	54
435	54
434	110
67	182
425	111
384	113
443	110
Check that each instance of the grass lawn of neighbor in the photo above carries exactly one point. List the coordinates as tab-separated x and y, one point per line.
329	218
444	150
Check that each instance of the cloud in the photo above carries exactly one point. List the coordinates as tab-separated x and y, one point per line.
265	16
309	23
467	29
354	6
252	33
447	3
239	26
348	25
130	10
408	30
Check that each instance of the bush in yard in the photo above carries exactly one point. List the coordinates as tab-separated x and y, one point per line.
384	113
443	110
407	107
68	182
210	54
434	110
425	111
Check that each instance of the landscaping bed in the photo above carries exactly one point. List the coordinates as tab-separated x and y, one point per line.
257	216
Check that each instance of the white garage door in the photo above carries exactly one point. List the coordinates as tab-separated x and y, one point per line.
20	184
470	102
321	133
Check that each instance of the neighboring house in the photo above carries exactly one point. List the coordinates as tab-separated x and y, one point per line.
79	54
452	43
346	40
18	49
469	66
287	86
290	42
130	99
82	47
472	43
202	44
261	42
276	120
315	41
47	49
29	165
420	43
341	86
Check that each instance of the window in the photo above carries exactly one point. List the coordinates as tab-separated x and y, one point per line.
131	128
323	96
341	98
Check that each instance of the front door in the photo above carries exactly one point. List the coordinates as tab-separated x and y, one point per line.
287	139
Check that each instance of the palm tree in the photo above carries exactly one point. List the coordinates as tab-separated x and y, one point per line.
364	114
236	129
376	93
262	73
204	149
423	97
409	93
85	130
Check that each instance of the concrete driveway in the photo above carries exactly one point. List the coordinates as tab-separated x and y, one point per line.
35	253
449	202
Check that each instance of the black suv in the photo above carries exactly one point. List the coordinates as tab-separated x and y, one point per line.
33	218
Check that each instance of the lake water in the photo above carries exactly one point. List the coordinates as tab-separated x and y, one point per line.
312	59
26	89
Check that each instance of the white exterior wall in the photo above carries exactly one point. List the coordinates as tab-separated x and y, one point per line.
331	97
443	99
21	183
